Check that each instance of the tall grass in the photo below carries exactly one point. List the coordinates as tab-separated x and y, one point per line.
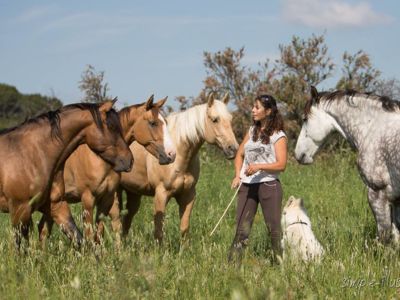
355	266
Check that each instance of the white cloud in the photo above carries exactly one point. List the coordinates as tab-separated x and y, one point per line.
330	14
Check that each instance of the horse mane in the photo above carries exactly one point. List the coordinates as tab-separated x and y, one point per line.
53	117
124	113
387	104
189	125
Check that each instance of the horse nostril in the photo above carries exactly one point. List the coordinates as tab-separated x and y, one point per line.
232	148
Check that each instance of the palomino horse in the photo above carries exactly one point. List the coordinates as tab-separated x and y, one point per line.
371	124
210	122
33	156
92	181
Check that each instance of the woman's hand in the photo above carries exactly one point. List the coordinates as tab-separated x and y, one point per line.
235	183
251	169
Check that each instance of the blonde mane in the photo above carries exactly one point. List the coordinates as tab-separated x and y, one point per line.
189	125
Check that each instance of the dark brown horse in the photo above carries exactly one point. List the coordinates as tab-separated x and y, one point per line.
33	156
92	181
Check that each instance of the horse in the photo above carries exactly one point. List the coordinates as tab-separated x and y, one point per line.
370	123
209	122
33	156
92	181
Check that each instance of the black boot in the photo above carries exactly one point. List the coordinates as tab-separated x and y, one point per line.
236	252
277	249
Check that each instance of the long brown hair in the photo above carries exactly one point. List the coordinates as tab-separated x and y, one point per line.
274	121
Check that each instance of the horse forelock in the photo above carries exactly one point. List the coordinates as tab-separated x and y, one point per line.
113	121
222	110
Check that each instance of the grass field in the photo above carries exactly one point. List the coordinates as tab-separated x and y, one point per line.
355	266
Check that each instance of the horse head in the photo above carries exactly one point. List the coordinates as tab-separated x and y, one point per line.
104	137
317	125
150	130
218	127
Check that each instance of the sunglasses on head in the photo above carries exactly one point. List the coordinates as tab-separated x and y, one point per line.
266	99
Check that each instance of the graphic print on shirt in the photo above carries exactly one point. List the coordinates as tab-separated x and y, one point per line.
258	154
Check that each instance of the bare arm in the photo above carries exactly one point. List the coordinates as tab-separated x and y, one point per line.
239	162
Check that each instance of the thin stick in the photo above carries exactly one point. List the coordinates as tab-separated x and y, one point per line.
226	209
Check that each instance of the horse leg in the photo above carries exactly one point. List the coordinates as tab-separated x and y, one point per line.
60	212
21	219
44	227
88	202
132	205
116	218
396	222
160	202
381	210
103	209
185	202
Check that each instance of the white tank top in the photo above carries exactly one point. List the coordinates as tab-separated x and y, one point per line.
259	153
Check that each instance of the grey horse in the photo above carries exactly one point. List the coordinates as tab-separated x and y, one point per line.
371	124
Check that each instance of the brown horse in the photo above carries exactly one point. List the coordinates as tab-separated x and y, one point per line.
210	122
33	156
92	181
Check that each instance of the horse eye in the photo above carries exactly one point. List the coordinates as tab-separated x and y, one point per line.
215	120
153	123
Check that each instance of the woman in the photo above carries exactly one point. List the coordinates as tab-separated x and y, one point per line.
261	157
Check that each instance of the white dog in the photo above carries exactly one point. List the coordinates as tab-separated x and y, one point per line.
298	239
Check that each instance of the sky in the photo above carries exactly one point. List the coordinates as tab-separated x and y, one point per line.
156	47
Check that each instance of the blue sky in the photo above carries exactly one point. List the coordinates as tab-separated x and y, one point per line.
157	47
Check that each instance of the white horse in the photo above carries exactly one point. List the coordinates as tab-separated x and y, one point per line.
371	124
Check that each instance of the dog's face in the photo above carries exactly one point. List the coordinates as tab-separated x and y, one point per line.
294	211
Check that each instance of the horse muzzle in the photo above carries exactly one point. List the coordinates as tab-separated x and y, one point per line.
165	159
230	151
123	164
304	159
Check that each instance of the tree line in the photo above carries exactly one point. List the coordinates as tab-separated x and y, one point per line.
301	63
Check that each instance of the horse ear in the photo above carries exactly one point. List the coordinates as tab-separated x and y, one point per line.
210	100
149	102
314	92
226	98
106	106
161	102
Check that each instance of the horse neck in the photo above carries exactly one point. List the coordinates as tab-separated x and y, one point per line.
353	124
127	121
188	135
72	124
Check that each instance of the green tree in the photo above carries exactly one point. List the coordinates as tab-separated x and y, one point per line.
301	63
358	73
16	107
93	86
